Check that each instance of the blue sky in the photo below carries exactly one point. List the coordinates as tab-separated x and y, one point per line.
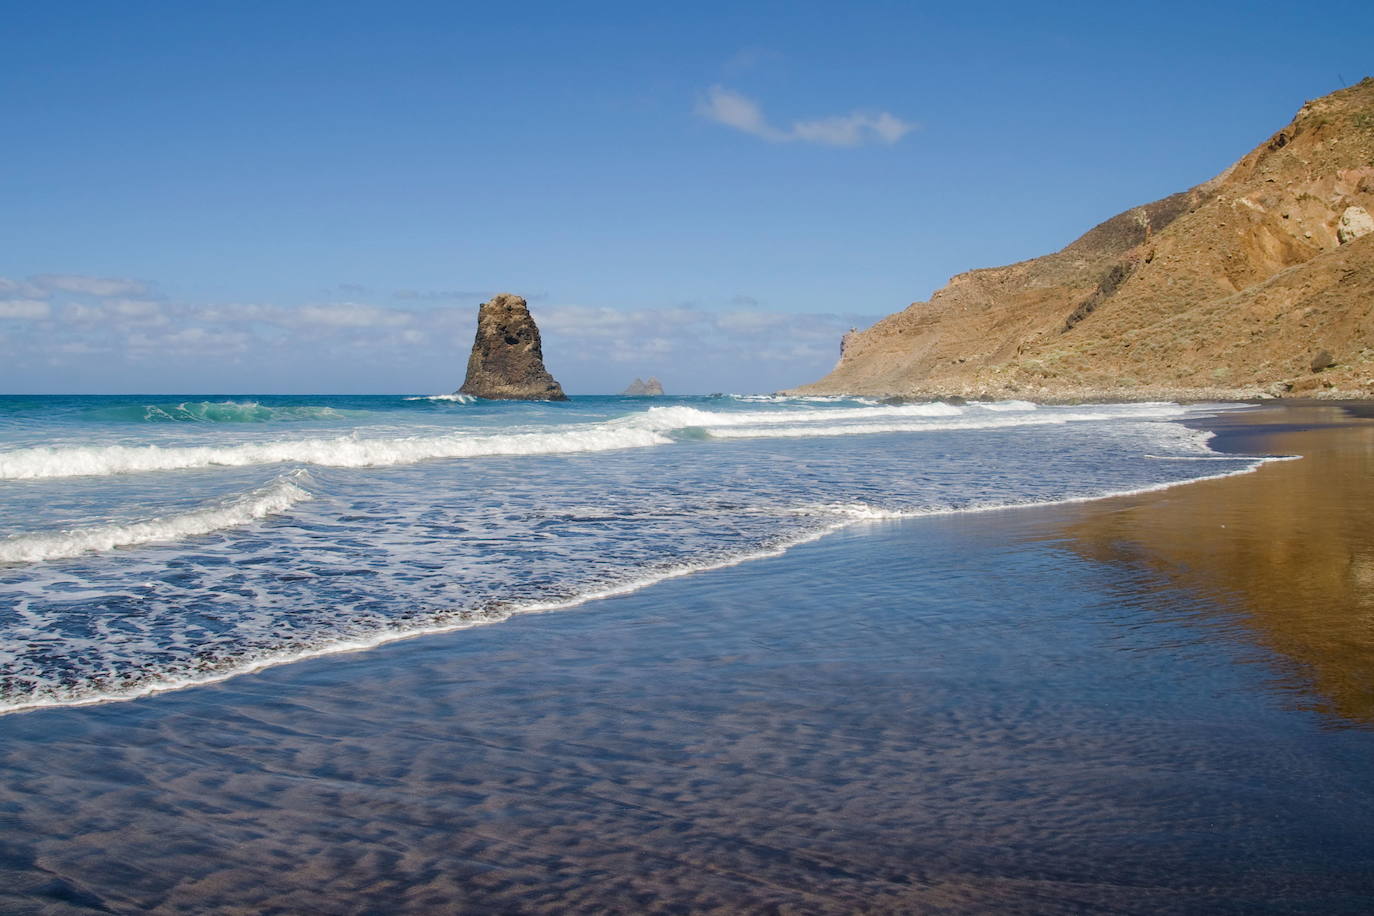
292	197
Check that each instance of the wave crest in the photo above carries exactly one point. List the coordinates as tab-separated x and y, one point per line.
221	412
45	462
648	428
274	498
455	398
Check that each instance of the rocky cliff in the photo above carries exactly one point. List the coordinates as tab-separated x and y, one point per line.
507	360
1259	282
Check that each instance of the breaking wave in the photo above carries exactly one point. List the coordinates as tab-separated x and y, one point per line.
903	418
276	497
455	398
644	429
859	429
672	418
803	398
835	516
344	452
222	412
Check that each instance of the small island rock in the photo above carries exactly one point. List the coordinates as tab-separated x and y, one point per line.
507	361
638	387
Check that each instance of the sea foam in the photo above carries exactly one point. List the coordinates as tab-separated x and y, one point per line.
344	452
837	516
455	398
898	426
639	430
276	497
672	418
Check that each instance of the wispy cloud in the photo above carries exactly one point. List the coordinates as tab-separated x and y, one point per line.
378	346
445	294
90	286
27	309
749	59
644	336
728	107
352	315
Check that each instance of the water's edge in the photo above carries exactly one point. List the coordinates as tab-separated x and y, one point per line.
847	517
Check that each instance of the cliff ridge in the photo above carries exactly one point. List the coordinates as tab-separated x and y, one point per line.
1232	288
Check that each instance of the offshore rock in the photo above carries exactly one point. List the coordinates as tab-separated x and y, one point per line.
507	361
638	387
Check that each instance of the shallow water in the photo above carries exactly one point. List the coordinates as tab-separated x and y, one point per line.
155	542
958	713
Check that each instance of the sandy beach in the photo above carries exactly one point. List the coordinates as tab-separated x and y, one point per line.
1157	703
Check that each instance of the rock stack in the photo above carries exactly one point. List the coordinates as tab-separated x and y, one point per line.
640	387
507	361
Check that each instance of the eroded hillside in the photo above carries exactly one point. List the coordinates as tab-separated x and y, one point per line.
1258	282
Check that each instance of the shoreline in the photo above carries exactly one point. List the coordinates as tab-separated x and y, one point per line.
1092	705
444	623
1053	397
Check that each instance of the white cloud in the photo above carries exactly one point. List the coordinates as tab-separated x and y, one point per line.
138	311
725	106
648	336
90	286
350	315
750	321
83	314
190	340
444	294
853	129
270	314
24	308
589	347
78	348
11	289
202	339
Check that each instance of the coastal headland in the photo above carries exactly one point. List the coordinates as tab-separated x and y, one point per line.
1257	283
1171	712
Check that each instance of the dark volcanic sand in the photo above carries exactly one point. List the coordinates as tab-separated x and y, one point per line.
1118	706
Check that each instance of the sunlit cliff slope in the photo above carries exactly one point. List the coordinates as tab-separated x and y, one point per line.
1258	282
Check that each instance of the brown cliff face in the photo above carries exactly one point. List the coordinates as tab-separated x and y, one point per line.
507	361
1229	289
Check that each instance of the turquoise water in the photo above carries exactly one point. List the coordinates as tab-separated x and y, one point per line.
156	542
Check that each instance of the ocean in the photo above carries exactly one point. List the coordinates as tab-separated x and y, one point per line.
150	543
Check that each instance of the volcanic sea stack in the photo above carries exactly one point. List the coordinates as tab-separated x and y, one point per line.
507	362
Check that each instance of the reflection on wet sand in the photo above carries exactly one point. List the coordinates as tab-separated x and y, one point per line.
1286	553
962	714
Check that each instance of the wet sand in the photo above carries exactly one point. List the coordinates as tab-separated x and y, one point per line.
1148	704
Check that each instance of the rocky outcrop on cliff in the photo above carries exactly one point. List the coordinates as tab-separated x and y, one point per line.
1231	288
640	387
507	361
